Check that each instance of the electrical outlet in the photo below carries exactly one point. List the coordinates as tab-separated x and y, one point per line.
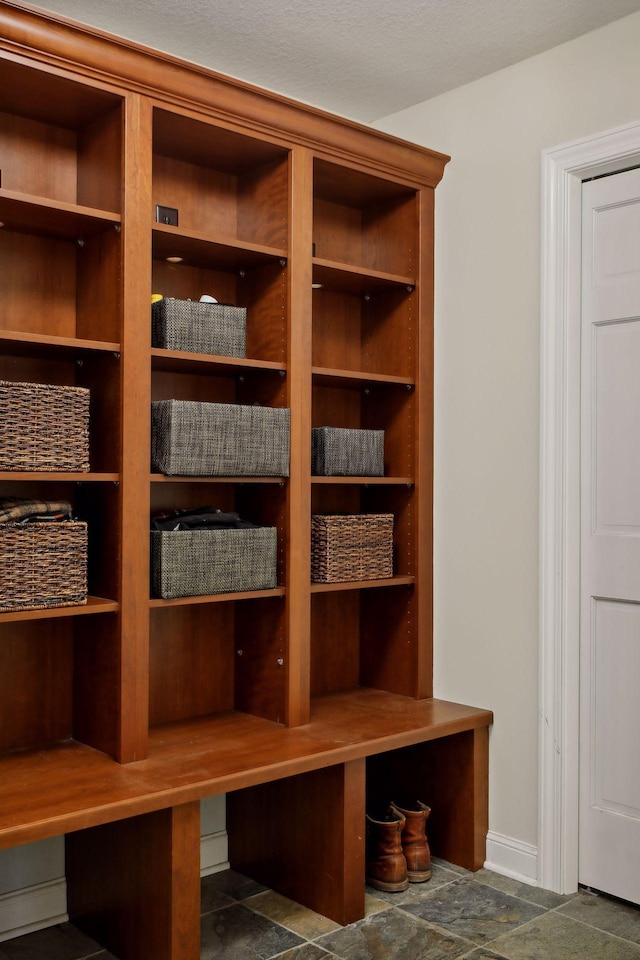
167	215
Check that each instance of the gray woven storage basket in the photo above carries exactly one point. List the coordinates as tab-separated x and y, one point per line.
215	328
43	564
190	563
190	438
43	427
341	452
351	547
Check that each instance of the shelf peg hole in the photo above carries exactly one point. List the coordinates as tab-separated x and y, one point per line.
80	242
239	652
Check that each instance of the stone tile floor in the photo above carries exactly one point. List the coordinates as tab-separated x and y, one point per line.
456	914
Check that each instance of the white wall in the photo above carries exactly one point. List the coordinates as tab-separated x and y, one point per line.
487	368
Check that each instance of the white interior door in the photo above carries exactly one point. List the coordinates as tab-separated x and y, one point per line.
609	845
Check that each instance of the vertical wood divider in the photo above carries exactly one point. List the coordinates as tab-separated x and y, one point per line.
303	836
136	426
135	884
299	399
424	449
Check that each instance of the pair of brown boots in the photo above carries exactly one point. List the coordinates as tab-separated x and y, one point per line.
397	848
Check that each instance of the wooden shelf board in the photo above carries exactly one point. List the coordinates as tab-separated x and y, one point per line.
201	250
218	597
66	221
93	605
362	584
346	278
358	378
366	481
178	360
59	476
19	343
69	786
164	478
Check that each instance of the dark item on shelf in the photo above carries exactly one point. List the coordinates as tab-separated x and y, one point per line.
43	564
168	215
197	327
190	563
201	518
43	427
340	452
190	438
351	547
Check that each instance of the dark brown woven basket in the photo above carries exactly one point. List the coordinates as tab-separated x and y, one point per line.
43	427
43	564
351	547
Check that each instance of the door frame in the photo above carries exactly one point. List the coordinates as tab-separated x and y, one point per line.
563	170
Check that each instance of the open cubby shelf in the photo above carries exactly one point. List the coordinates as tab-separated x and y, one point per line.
307	697
200	250
26	214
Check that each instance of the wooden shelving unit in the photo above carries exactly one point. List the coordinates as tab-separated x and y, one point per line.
118	717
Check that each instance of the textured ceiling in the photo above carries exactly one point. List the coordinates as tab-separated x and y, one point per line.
363	59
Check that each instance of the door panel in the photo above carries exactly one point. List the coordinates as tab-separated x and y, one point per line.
609	850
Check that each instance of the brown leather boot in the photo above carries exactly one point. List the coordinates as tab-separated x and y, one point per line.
386	865
415	845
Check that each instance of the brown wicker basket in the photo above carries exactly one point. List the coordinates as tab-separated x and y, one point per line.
43	427
351	547
43	564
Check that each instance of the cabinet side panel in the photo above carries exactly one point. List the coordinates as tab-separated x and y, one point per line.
134	885
424	449
260	664
299	400
135	434
312	847
99	163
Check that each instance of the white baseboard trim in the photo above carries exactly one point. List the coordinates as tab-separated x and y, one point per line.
512	858
214	853
33	908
